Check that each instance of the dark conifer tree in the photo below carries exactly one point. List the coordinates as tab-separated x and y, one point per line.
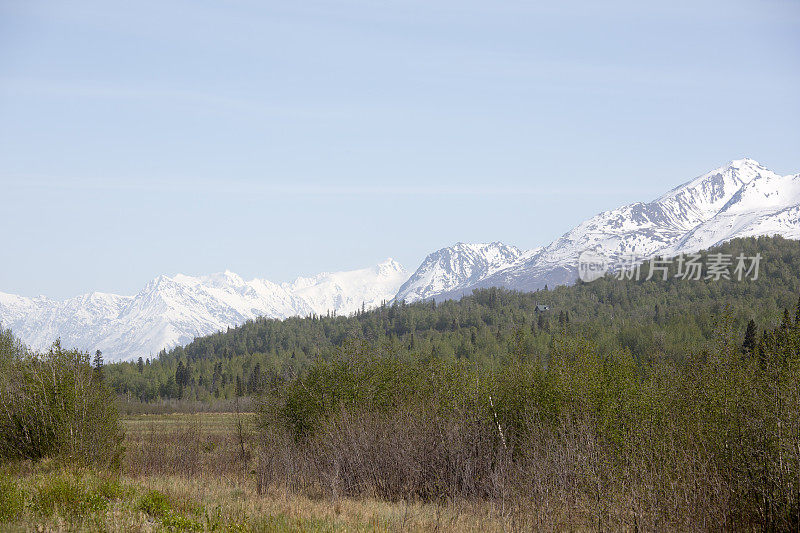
181	378
97	363
797	313
255	379
749	344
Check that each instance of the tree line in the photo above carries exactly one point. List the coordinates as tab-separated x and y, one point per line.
652	319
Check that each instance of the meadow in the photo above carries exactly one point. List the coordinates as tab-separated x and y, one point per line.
188	472
643	407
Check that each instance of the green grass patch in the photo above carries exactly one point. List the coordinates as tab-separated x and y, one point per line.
155	503
158	505
12	500
74	496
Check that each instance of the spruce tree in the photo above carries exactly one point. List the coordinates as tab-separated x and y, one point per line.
97	363
255	379
797	313
749	344
180	378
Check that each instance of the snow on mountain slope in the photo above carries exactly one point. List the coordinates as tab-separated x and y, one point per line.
170	311
347	292
173	310
740	199
78	321
768	205
445	272
644	229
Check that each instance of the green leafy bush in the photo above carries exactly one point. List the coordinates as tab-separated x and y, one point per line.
53	405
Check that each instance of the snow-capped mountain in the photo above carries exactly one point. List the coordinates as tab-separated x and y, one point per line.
767	205
347	292
79	321
445	272
740	199
173	310
170	311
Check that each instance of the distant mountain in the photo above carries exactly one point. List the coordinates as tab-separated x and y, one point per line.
447	272
170	311
79	321
347	292
740	199
766	205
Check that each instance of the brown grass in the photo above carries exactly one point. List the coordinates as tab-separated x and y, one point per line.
196	463
187	444
196	458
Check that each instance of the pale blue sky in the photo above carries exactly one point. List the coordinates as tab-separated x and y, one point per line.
278	139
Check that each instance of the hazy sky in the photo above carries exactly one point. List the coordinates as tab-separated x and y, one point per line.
278	139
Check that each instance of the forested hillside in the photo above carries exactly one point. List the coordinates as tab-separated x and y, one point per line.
654	319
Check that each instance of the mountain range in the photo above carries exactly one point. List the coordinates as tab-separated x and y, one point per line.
170	311
740	199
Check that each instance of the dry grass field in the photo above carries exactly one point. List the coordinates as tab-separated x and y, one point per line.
195	472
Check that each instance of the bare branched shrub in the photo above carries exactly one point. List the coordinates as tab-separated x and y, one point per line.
586	440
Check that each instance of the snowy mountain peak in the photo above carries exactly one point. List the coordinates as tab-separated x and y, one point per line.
701	198
389	266
172	310
739	199
447	270
349	291
768	204
745	162
768	190
742	198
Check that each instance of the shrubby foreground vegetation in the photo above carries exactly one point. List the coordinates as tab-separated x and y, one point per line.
646	405
55	405
588	439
